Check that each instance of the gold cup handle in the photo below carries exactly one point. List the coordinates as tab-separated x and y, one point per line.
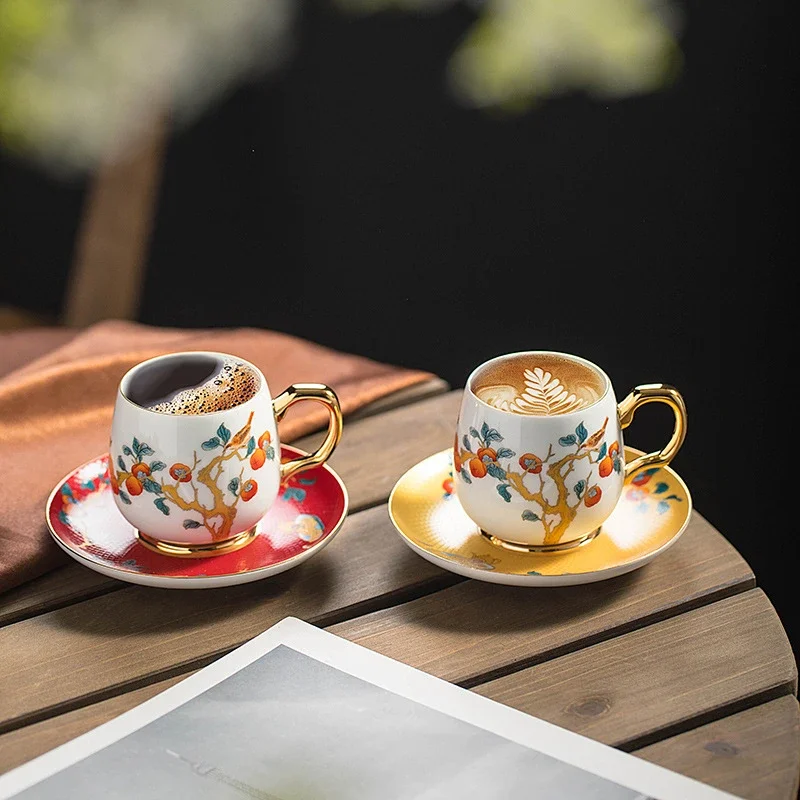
322	394
655	393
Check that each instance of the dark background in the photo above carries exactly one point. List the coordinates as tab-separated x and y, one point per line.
351	201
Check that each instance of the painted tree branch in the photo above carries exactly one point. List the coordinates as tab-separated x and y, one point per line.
218	518
554	512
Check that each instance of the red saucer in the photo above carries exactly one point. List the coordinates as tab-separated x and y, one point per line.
85	522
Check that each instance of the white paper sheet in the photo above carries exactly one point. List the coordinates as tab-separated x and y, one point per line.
298	713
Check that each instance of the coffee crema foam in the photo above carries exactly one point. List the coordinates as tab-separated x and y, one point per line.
235	383
539	385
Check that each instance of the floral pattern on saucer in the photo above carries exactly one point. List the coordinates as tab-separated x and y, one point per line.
85	522
651	515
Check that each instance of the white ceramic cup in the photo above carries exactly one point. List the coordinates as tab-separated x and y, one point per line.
197	484
546	482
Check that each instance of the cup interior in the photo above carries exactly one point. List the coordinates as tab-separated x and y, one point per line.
538	383
191	383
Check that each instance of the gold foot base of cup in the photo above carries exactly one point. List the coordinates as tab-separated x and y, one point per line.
540	548
198	550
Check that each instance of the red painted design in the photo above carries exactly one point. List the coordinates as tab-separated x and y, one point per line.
84	508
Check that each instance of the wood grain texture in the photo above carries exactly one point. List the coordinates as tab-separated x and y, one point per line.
753	754
19	746
411	394
120	641
663	679
476	631
368	480
108	271
376	451
63	586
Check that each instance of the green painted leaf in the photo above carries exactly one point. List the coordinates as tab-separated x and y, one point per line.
601	453
161	504
136	446
617	464
146	450
502	490
466	443
567	441
662	507
581	433
492	435
157	466
496	471
191	523
484	430
294	493
307	481
530	516
472	432
210	444
580	488
661	487
674	497
271	453
233	486
465	476
151	486
121	464
251	445
505	452
223	433
124	497
126	450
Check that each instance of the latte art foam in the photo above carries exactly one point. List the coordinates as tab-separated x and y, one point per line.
231	385
539	385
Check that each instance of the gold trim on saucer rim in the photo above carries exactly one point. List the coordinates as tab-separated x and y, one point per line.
541	548
198	550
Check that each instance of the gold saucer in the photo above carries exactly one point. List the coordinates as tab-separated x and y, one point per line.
650	517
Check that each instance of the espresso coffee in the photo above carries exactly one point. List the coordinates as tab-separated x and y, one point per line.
543	384
194	384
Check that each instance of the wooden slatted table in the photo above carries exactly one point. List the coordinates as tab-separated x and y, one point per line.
683	662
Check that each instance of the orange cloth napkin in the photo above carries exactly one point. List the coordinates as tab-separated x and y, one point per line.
55	411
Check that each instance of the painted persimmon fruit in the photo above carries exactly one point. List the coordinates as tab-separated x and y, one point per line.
614	449
530	463
265	440
133	485
181	472
606	467
593	496
140	470
114	483
249	489
456	455
447	485
258	458
477	467
487	451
